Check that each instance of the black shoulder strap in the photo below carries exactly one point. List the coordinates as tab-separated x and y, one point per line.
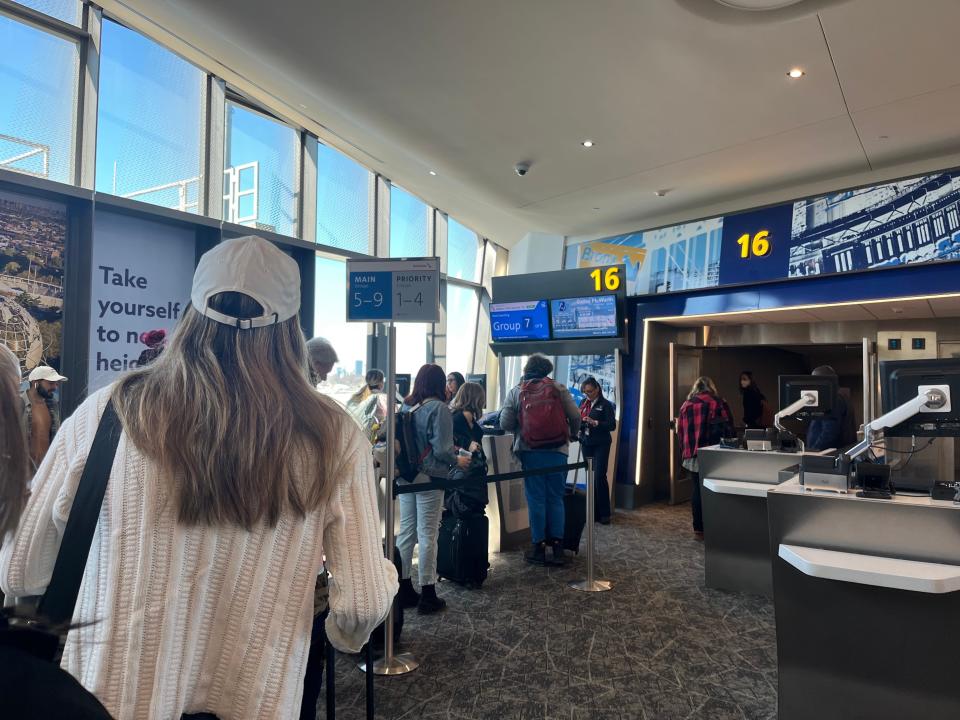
58	602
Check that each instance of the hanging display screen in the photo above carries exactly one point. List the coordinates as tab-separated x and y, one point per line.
584	317
527	320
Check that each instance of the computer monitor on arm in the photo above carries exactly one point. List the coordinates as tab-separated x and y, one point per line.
921	398
805	397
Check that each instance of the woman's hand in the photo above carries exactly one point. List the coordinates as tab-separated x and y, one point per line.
474	447
463	462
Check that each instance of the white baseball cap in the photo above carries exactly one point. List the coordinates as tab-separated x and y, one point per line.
252	266
44	372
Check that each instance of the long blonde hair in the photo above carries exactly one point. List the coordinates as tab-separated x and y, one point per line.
14	458
230	415
702	385
471	397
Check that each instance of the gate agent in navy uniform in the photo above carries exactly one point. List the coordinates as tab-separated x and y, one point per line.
598	419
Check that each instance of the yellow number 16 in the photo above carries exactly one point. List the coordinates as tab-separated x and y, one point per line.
758	247
611	279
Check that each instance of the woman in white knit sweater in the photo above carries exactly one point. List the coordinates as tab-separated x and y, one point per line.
232	478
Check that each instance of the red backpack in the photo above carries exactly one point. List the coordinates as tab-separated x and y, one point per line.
543	422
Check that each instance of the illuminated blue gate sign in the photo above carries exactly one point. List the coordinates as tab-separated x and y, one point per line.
406	290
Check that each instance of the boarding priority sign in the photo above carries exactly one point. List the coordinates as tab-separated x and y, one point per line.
404	290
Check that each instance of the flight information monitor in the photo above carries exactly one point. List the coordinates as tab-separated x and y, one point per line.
584	317
525	320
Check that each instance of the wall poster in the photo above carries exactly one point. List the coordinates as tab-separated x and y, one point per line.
33	236
140	280
905	222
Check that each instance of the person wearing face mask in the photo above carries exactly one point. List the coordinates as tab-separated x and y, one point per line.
598	420
41	410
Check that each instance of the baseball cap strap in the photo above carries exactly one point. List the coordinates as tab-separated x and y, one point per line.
240	323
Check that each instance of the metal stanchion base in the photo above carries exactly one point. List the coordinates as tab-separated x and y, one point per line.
401	665
588	586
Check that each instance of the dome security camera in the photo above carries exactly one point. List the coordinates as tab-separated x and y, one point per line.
521	168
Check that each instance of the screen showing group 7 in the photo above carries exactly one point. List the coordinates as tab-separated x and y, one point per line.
526	320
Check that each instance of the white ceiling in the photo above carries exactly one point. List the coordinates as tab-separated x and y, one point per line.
697	103
919	308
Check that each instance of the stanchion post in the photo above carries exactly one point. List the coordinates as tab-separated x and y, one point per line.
390	663
590	584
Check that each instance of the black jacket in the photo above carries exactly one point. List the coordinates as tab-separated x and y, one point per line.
603	412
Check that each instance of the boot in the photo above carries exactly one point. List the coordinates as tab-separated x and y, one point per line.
407	596
536	555
429	602
559	556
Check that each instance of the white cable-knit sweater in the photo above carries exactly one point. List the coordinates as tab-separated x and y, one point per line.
193	619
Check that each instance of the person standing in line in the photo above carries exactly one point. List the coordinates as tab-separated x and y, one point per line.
467	407
543	417
233	479
753	401
322	359
455	381
32	687
420	512
598	418
41	410
373	383
704	419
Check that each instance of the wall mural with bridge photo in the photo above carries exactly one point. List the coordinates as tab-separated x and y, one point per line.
905	222
32	240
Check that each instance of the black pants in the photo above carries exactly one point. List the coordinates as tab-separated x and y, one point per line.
696	503
313	677
601	458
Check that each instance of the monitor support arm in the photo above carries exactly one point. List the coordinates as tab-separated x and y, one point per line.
807	399
930	399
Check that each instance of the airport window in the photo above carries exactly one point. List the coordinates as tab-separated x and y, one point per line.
412	347
260	180
66	10
463	252
482	350
408	225
343	202
149	122
348	339
489	265
461	327
39	75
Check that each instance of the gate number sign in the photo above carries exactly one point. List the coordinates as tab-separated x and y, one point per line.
405	290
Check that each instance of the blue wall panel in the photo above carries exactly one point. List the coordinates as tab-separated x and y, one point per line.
906	281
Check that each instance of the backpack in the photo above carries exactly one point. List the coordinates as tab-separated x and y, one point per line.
719	424
408	461
543	422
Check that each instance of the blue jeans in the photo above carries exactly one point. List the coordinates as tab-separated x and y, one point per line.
419	526
544	494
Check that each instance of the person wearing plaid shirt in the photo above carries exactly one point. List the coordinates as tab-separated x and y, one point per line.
704	419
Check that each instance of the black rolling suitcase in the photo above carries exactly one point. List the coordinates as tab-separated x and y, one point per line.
574	518
462	548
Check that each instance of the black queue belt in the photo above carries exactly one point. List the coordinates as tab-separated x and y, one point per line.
402	487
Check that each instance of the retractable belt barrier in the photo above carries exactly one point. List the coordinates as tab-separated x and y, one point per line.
404	487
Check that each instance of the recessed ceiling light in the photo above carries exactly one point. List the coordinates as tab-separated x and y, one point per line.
796	73
433	172
587	143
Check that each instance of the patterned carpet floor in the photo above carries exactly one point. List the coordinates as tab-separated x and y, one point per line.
658	646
